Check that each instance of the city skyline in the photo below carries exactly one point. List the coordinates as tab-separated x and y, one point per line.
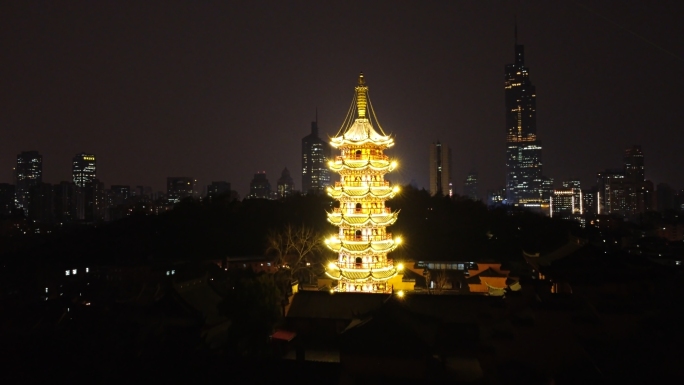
152	104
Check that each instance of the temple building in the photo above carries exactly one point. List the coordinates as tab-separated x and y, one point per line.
362	243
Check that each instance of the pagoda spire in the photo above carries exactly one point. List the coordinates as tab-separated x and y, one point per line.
361	97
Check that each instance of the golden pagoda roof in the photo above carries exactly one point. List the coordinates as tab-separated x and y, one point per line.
359	131
361	274
351	247
362	164
385	192
361	220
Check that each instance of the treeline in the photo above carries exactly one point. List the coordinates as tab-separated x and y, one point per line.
431	228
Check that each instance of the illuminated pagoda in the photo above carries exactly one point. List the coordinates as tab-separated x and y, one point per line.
362	243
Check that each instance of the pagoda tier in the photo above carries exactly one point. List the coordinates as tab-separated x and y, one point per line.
362	242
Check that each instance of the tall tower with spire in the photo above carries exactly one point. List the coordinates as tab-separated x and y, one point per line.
315	154
524	180
362	242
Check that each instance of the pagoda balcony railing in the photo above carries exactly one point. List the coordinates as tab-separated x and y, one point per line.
340	159
367	238
363	265
383	183
379	210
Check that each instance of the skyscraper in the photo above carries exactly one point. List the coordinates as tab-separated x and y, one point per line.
624	191
285	184
260	187
95	201
440	170
29	173
470	186
84	169
41	203
315	155
634	164
611	195
523	150
66	202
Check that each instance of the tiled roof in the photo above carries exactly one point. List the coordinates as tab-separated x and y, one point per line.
492	273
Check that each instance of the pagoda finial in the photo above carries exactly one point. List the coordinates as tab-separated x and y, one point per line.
361	96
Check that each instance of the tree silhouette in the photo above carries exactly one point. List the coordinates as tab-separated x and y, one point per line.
297	251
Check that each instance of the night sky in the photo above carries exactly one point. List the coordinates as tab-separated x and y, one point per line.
218	90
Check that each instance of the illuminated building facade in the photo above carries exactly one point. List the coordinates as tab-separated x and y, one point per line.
362	243
577	197
259	187
84	169
562	203
440	170
624	191
285	186
315	154
524	180
29	173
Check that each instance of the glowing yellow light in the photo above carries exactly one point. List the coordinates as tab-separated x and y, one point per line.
400	267
361	192
332	291
398	241
400	294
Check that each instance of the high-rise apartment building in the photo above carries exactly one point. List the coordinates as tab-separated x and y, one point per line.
611	195
179	187
66	202
95	201
315	156
84	169
29	173
589	201
285	184
440	170
260	187
634	164
524	178
120	194
624	191
470	186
